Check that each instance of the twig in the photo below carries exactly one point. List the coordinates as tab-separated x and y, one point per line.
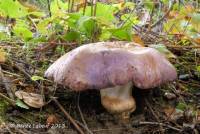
83	126
9	87
25	73
21	42
183	47
161	19
109	129
68	116
8	99
11	73
148	105
160	124
84	7
49	7
82	118
32	22
154	114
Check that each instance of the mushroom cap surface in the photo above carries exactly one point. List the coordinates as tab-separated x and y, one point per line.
107	64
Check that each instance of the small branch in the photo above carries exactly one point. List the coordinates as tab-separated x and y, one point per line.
49	7
85	5
154	114
25	73
68	116
186	47
160	124
82	117
10	89
32	22
11	101
165	15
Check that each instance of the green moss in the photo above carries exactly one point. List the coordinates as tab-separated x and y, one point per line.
3	108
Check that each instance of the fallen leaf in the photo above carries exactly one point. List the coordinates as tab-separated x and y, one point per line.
173	113
138	40
2	56
198	116
31	99
35	78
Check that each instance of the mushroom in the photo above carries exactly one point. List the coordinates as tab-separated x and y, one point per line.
113	68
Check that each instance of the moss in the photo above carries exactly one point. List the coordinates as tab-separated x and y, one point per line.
3	108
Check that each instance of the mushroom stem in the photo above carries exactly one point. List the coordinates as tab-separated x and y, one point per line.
118	100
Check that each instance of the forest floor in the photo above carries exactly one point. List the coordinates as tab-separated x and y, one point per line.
172	108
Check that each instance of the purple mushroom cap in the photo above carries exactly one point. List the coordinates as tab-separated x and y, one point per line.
107	64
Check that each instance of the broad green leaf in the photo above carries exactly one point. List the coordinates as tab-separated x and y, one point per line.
73	19
149	4
58	6
195	20
21	29
105	35
87	25
44	26
123	33
12	8
35	78
104	12
72	36
3	36
21	104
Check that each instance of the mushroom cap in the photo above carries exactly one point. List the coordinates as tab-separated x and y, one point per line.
107	64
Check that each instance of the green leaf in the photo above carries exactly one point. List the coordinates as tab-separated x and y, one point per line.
35	78
21	104
103	12
12	8
3	36
23	33
149	4
58	6
72	36
73	19
87	25
181	106
123	33
105	35
43	26
195	19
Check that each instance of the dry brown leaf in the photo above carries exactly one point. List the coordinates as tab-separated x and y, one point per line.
198	116
138	40
173	113
173	14
31	99
2	56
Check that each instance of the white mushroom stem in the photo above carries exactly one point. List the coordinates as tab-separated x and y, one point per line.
118	99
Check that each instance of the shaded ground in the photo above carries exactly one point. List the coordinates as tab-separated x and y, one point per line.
156	112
